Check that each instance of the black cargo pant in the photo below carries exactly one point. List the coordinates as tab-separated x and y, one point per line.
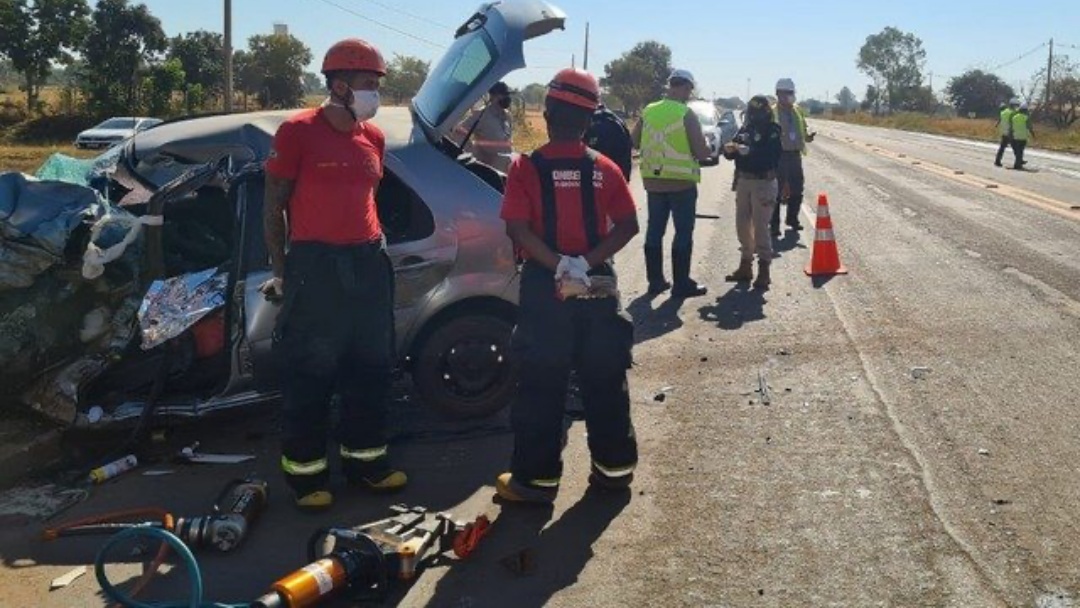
1018	146
789	173
1006	141
335	334
595	338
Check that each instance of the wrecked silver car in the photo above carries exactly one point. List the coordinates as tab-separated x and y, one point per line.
172	322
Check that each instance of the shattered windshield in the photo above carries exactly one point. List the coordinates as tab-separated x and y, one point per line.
466	63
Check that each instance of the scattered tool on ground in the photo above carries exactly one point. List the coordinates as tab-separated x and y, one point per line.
363	561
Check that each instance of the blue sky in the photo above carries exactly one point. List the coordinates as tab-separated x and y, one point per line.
724	44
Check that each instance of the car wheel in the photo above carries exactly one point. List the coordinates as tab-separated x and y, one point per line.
464	369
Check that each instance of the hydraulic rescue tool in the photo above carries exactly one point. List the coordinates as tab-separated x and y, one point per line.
235	511
362	561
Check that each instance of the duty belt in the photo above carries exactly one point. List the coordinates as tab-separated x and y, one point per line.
757	174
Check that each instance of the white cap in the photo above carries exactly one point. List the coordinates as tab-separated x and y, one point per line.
685	75
1024	106
1015	101
785	84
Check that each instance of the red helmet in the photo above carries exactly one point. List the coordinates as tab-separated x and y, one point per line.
576	87
354	55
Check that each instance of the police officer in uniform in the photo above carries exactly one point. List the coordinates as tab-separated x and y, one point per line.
569	210
335	329
756	150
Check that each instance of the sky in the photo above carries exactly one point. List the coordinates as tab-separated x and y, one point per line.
731	48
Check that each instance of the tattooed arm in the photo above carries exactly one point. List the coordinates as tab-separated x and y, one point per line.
275	231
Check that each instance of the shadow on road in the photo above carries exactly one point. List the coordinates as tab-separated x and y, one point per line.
651	323
524	564
447	463
739	306
790	241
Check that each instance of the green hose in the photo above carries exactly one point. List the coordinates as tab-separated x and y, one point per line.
180	548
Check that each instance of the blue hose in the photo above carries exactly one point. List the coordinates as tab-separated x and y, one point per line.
180	548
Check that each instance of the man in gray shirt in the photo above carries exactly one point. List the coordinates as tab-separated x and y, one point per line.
794	138
490	142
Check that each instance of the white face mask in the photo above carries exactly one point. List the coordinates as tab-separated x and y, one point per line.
365	104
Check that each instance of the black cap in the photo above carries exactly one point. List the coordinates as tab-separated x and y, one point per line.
500	88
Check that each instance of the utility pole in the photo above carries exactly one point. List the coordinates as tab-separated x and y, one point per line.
585	66
1049	72
228	58
931	83
573	60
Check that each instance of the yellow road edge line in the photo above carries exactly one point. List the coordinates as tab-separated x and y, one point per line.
1024	196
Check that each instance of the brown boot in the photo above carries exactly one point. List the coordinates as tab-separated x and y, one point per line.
744	273
763	275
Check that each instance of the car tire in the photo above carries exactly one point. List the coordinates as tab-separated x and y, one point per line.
464	369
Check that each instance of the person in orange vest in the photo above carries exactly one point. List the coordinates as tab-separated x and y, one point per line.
335	329
569	210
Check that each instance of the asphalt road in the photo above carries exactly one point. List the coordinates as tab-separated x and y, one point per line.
916	445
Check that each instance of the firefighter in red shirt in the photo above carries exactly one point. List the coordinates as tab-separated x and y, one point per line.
569	210
335	328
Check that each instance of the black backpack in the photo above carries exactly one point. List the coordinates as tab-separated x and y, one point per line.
609	136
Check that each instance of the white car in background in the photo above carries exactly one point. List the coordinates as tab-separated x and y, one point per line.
709	118
114	131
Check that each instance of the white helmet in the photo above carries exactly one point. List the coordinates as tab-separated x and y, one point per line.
785	84
1024	106
684	75
1015	101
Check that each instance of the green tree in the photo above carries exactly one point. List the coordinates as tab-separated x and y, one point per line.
639	76
201	55
36	33
159	85
978	92
123	39
533	94
847	99
894	60
313	83
277	63
404	76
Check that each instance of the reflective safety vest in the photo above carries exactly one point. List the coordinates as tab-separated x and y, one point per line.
1005	122
800	124
665	146
1019	122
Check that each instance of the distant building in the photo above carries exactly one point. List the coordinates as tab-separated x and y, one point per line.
281	29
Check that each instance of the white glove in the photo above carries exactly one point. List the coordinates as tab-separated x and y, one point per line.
576	268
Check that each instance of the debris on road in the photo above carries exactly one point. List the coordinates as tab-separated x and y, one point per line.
114	468
919	373
763	388
984	452
63	581
192	456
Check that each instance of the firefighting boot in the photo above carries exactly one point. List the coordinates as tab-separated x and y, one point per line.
511	490
744	273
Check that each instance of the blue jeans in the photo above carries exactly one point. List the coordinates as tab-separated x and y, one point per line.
682	208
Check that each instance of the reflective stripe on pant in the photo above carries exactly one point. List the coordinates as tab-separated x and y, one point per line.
792	182
594	337
754	203
335	334
681	207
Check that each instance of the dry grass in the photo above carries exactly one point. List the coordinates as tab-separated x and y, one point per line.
27	159
1047	137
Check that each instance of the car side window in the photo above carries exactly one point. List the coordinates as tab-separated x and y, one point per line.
404	216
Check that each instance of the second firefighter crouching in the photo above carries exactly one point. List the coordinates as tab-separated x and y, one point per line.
569	211
756	150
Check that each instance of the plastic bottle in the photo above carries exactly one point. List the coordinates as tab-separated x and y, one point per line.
114	468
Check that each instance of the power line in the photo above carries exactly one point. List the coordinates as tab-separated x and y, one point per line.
399	11
1020	58
385	26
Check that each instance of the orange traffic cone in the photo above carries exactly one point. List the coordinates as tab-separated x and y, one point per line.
825	259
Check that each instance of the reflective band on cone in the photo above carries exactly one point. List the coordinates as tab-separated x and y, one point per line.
825	258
